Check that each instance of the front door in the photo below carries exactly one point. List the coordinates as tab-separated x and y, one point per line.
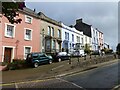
7	55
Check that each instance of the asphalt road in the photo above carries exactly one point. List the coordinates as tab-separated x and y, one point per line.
105	77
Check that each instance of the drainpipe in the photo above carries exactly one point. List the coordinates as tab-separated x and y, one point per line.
17	42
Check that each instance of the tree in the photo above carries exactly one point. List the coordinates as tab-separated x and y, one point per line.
87	49
10	9
118	49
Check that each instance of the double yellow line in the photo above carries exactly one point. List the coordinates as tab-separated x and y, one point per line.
25	82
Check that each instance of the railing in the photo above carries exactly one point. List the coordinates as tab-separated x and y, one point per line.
90	60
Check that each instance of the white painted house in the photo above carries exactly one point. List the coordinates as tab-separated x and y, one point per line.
95	39
71	38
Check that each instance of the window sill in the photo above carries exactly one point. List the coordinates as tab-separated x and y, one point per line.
27	39
9	37
28	22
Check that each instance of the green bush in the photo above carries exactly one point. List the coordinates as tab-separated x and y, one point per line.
87	51
17	64
118	49
3	63
107	51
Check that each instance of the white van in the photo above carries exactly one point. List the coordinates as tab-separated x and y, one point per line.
79	53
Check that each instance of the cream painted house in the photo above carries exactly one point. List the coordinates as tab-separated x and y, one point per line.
50	33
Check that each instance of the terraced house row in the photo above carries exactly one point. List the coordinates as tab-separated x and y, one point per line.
39	33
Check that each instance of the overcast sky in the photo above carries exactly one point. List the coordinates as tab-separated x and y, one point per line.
101	15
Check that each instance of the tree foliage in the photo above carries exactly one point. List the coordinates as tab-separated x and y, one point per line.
10	10
87	48
118	48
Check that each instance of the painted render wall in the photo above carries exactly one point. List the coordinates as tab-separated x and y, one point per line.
71	31
19	36
44	25
0	36
101	40
95	38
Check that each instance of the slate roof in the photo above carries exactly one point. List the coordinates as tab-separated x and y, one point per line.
80	26
29	12
47	19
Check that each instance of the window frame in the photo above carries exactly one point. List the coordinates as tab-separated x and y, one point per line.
49	31
59	33
6	35
72	37
53	31
25	29
24	50
27	16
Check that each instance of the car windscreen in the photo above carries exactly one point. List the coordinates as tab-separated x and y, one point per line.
35	55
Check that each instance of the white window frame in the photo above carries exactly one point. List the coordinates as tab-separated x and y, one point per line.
52	31
27	47
59	33
25	34
72	37
53	44
28	17
13	30
49	31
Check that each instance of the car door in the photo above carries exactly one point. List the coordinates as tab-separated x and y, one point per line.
43	58
64	55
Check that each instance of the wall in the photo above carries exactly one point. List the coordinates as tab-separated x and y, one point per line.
19	36
71	31
44	25
95	39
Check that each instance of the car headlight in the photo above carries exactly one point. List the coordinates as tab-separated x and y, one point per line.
50	57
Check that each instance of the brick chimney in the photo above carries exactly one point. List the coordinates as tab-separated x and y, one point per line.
78	20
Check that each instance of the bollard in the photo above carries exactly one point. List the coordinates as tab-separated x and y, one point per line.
78	61
85	57
115	56
90	56
70	60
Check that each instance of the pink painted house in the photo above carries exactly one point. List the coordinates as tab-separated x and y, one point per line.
101	40
17	40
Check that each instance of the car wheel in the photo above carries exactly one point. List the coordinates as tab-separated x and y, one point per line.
36	64
50	61
59	59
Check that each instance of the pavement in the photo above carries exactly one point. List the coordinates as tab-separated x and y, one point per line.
2	67
54	70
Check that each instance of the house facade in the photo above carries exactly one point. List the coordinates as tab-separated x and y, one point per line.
86	29
50	33
72	39
87	41
95	39
101	40
17	40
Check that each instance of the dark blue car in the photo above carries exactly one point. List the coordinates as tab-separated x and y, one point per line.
38	58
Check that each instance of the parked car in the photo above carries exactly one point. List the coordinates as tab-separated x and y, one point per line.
38	58
79	53
96	52
61	56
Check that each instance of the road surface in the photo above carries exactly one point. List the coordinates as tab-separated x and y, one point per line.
105	77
